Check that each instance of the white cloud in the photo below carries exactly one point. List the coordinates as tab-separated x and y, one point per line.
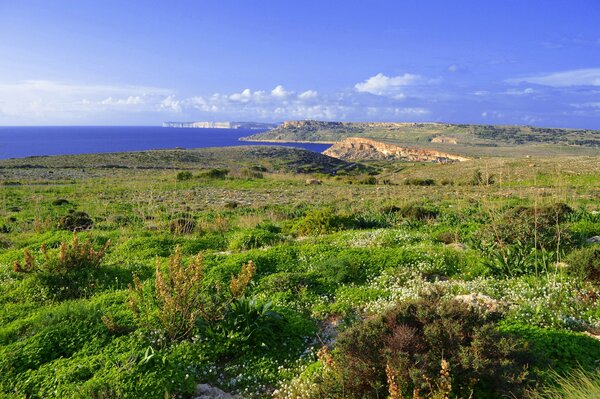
575	77
492	114
391	86
587	105
518	92
280	92
308	95
49	101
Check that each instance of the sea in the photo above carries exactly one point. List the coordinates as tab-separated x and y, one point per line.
18	142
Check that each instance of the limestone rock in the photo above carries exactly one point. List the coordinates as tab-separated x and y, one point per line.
313	181
593	240
205	391
480	301
356	148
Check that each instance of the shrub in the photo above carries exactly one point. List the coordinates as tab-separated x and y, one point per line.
180	299
75	221
536	226
60	202
247	321
184	175
447	237
255	238
368	180
419	211
231	204
415	181
68	274
479	179
215	173
246	173
585	263
182	226
319	221
426	348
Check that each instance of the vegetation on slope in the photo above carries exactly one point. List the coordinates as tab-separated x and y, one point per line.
103	292
471	140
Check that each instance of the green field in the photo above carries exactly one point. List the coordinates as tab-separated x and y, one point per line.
411	280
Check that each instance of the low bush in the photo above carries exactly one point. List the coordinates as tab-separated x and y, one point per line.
70	273
480	179
247	322
319	221
60	202
425	348
540	227
182	226
75	221
255	238
215	173
180	301
585	263
417	211
246	173
184	175
415	181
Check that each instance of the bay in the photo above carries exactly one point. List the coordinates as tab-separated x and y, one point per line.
18	142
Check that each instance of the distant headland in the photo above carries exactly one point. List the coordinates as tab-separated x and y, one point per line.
222	125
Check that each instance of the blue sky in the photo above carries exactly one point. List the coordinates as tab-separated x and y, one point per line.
132	62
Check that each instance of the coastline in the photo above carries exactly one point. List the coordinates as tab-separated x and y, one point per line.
284	141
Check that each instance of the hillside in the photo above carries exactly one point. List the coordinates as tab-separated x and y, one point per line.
266	158
470	140
354	148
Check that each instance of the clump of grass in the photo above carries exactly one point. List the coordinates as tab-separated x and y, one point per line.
579	384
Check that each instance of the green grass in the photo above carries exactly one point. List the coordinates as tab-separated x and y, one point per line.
337	251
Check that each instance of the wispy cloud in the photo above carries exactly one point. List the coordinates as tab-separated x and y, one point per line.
42	101
47	100
575	77
391	86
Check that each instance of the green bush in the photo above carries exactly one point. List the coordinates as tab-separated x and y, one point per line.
255	238
246	173
184	175
538	227
319	221
71	273
585	263
249	323
215	173
417	211
419	182
180	300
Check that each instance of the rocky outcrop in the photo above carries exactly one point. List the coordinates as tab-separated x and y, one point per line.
205	391
355	148
444	140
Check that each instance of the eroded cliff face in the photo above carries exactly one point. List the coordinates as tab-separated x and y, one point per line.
356	148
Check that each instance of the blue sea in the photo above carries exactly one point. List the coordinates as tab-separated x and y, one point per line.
17	142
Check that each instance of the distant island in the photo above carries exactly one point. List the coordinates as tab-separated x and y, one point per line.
222	125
